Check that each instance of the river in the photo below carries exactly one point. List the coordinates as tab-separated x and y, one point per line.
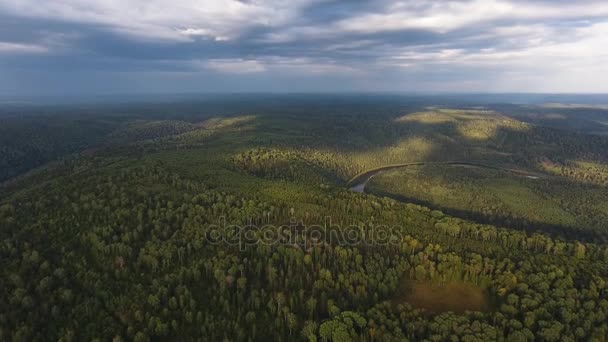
358	183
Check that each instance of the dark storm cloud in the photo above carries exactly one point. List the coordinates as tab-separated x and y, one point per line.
304	45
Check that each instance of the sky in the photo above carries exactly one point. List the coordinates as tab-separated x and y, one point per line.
153	46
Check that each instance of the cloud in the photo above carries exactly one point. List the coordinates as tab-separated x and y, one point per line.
313	66
582	45
203	33
233	66
177	20
444	16
476	45
275	64
19	48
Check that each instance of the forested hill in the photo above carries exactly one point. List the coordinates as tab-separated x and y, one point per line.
124	236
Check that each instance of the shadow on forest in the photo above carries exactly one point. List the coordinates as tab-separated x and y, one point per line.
502	142
366	126
579	118
367	131
371	130
529	226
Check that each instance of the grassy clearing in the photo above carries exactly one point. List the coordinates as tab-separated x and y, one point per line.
456	297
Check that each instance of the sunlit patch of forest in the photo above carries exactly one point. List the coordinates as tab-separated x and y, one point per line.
105	217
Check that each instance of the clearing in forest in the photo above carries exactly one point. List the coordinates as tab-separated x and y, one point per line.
456	297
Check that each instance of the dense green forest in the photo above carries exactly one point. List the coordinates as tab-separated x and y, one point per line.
120	224
502	198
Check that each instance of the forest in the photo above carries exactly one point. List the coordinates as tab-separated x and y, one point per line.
107	214
498	197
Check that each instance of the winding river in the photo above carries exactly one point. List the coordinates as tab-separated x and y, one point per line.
358	182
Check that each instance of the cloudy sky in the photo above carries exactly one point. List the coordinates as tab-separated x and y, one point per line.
128	46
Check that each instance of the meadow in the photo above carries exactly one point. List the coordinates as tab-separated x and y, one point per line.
456	297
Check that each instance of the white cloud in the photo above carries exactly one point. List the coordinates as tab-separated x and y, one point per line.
233	66
19	48
279	65
574	63
584	47
445	16
178	20
520	45
196	32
